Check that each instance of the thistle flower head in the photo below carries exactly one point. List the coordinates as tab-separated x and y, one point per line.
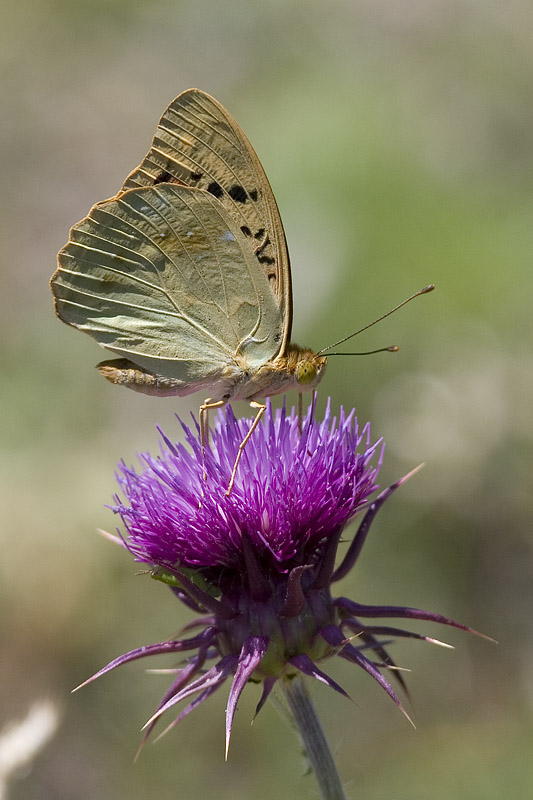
258	564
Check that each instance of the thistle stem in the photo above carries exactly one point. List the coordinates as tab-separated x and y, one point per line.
315	744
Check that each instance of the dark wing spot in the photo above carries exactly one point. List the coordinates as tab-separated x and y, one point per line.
246	230
266	260
163	177
238	194
195	176
166	177
215	189
271	276
253	195
277	337
260	233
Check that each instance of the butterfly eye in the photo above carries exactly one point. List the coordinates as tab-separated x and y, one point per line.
305	372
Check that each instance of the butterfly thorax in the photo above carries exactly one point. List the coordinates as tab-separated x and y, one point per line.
298	368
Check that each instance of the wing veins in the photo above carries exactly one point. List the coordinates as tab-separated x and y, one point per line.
178	313
157	246
213	249
218	157
156	311
128	275
190	257
140	259
215	204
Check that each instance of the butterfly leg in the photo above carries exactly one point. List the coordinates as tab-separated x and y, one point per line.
204	425
204	419
261	408
300	413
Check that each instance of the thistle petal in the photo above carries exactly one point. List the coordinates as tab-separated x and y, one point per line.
179	646
360	537
192	706
388	630
304	664
335	637
294	597
252	652
402	611
268	685
183	678
214	677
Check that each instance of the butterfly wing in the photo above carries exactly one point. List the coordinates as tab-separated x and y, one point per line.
164	276
198	144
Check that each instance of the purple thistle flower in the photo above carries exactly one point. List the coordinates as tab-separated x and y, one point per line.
258	564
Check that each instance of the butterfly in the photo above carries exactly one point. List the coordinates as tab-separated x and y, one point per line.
185	272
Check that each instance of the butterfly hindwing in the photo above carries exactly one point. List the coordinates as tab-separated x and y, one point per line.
162	275
198	144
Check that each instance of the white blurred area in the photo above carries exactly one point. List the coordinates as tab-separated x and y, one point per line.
23	739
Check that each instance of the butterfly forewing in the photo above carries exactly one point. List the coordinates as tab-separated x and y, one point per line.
162	274
198	144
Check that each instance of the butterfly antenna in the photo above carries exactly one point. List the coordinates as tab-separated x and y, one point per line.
425	290
393	348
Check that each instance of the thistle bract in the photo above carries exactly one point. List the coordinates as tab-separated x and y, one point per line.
258	565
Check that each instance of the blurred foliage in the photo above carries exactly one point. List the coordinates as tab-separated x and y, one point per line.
398	140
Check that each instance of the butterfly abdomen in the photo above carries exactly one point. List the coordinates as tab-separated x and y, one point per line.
125	373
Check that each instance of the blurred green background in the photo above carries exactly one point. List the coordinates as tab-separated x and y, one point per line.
398	138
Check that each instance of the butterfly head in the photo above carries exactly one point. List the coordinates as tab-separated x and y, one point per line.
308	367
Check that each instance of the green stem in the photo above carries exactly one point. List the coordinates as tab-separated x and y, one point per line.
314	741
